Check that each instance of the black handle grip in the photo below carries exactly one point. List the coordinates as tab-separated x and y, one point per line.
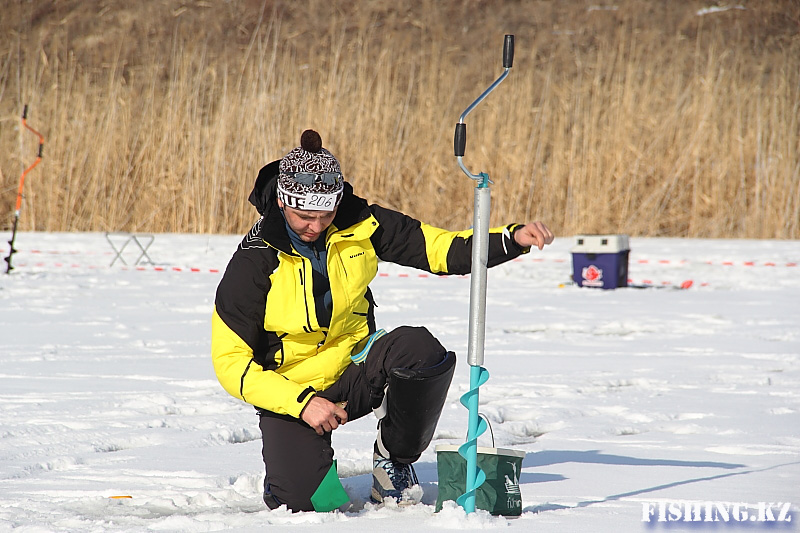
25	112
508	51
460	139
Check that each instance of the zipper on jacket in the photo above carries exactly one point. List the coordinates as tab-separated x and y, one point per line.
307	328
280	337
244	375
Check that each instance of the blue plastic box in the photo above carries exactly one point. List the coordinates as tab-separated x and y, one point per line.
600	261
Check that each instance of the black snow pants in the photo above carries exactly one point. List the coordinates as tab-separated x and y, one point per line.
297	460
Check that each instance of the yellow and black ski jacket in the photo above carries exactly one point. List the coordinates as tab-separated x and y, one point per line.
267	345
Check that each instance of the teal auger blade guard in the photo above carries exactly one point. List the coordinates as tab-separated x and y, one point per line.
478	375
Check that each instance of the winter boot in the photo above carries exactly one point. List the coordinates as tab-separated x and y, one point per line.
391	479
269	498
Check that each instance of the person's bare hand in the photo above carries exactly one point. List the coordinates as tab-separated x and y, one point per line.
322	415
534	234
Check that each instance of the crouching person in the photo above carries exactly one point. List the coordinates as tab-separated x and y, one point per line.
294	330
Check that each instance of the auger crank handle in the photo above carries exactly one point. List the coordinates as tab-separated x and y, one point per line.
460	137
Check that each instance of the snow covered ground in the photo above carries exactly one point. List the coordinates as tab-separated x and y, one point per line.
624	400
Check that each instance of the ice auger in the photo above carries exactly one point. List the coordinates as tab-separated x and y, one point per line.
477	294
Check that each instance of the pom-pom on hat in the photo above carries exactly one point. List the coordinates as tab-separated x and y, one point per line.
310	177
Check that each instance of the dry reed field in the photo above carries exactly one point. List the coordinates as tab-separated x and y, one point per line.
653	118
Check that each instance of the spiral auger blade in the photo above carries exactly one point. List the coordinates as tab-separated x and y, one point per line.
477	427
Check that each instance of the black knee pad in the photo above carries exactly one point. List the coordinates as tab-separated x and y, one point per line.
414	401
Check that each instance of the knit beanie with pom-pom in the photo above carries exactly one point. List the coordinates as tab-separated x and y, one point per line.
310	177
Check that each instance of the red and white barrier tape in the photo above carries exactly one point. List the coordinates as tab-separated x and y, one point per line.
673	262
153	268
686	284
173	269
677	262
684	262
420	275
